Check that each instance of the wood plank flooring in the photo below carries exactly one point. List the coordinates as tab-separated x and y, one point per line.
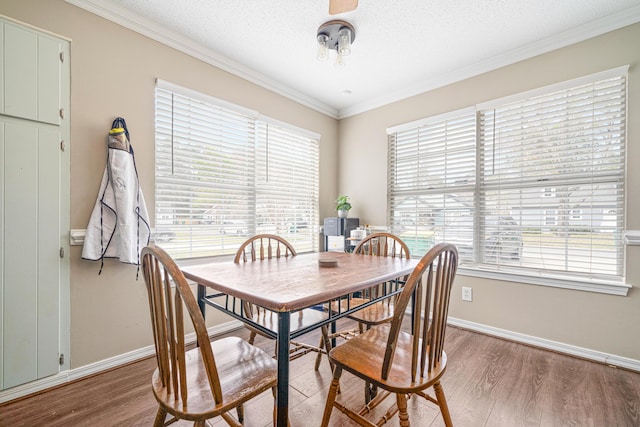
489	382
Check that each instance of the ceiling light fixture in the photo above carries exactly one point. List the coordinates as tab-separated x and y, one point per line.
337	35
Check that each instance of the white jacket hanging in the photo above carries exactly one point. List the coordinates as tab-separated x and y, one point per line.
119	224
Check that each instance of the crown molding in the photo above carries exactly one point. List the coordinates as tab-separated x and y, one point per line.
121	16
141	25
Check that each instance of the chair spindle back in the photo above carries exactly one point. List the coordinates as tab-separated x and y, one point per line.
429	322
167	320
254	248
383	244
259	248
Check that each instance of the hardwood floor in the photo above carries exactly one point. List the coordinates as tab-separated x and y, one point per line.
489	382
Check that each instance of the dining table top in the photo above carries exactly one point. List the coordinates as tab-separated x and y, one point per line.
292	283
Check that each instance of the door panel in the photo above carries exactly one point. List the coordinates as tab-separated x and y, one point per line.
20	251
2	230
2	69
48	261
48	80
21	72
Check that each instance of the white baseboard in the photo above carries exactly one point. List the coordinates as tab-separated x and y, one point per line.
97	367
598	356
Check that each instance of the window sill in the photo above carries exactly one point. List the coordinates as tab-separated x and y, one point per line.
598	286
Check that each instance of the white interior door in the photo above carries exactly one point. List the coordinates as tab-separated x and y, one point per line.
34	205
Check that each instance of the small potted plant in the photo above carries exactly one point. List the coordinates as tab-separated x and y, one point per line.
343	206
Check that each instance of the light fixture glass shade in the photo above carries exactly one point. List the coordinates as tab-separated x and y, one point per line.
323	47
335	35
344	41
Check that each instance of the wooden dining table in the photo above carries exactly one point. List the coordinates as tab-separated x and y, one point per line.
288	284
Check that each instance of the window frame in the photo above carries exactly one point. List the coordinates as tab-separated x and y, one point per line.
616	286
202	134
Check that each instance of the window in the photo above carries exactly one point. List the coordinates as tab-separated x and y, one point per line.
550	217
532	184
432	173
548	192
576	214
224	173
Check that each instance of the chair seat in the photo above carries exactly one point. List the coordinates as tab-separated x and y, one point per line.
245	371
363	356
411	363
346	304
376	314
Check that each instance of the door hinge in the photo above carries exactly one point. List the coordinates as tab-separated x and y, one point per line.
61	252
61	359
62	145
62	113
61	56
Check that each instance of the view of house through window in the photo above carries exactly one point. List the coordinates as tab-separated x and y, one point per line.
224	173
532	184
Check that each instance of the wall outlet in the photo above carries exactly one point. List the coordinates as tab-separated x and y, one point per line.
467	294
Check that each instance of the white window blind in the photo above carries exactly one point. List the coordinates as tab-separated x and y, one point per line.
287	185
432	173
220	177
529	185
545	158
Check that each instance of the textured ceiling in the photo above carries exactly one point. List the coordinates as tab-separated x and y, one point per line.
401	47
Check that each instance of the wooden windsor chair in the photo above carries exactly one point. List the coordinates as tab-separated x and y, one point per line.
399	362
209	380
263	247
380	244
376	244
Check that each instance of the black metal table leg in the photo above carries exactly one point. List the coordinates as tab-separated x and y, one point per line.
202	292
334	329
282	404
